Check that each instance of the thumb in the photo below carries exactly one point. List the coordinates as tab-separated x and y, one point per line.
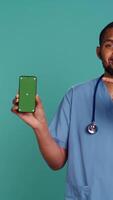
38	101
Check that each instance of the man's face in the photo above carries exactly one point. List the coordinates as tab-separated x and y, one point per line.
105	51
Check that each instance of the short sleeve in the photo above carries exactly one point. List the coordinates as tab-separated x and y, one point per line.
60	124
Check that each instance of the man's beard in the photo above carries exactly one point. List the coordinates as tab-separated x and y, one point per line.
108	69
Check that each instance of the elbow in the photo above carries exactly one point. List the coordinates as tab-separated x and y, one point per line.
56	167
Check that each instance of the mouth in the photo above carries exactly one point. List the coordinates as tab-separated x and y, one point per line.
110	61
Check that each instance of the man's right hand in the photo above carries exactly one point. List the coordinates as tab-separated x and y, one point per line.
51	151
36	120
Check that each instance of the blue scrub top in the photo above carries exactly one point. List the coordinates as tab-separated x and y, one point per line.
90	157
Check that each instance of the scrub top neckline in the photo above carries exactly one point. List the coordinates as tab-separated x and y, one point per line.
106	92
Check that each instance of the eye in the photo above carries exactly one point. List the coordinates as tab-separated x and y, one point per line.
108	45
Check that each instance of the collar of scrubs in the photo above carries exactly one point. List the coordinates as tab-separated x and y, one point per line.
105	98
105	93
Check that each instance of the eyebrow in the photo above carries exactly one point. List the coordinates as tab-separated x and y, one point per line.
108	40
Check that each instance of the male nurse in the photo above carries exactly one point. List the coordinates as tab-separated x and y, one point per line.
89	157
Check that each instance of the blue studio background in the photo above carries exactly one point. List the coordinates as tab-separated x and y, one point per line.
56	41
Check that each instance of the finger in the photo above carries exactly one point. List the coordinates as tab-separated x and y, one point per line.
17	96
14	108
38	101
106	79
15	101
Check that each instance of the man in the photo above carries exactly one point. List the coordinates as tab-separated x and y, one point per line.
89	156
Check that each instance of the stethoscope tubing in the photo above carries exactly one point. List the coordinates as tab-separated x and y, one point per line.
94	98
92	127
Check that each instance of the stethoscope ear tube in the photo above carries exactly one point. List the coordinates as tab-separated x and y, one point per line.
92	127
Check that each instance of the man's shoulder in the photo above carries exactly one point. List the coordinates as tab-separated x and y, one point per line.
85	85
82	87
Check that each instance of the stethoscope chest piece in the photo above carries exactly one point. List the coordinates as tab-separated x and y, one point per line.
92	128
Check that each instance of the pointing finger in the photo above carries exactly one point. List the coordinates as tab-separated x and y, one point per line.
106	79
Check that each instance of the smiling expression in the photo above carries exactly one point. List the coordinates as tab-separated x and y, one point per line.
105	51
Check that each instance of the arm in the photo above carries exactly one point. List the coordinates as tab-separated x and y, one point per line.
54	155
51	151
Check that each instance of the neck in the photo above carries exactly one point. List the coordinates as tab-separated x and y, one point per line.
108	84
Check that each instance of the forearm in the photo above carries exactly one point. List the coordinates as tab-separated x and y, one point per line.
50	150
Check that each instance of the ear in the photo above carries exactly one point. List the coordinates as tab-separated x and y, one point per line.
98	52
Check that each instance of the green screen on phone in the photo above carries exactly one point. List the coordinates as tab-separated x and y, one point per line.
27	93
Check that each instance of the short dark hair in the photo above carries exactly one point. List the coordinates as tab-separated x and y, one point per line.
102	33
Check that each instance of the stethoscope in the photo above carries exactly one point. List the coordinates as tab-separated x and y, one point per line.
92	127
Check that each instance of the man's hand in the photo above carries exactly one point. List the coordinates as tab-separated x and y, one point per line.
107	79
51	151
36	120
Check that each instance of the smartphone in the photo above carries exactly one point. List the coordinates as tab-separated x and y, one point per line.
27	93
